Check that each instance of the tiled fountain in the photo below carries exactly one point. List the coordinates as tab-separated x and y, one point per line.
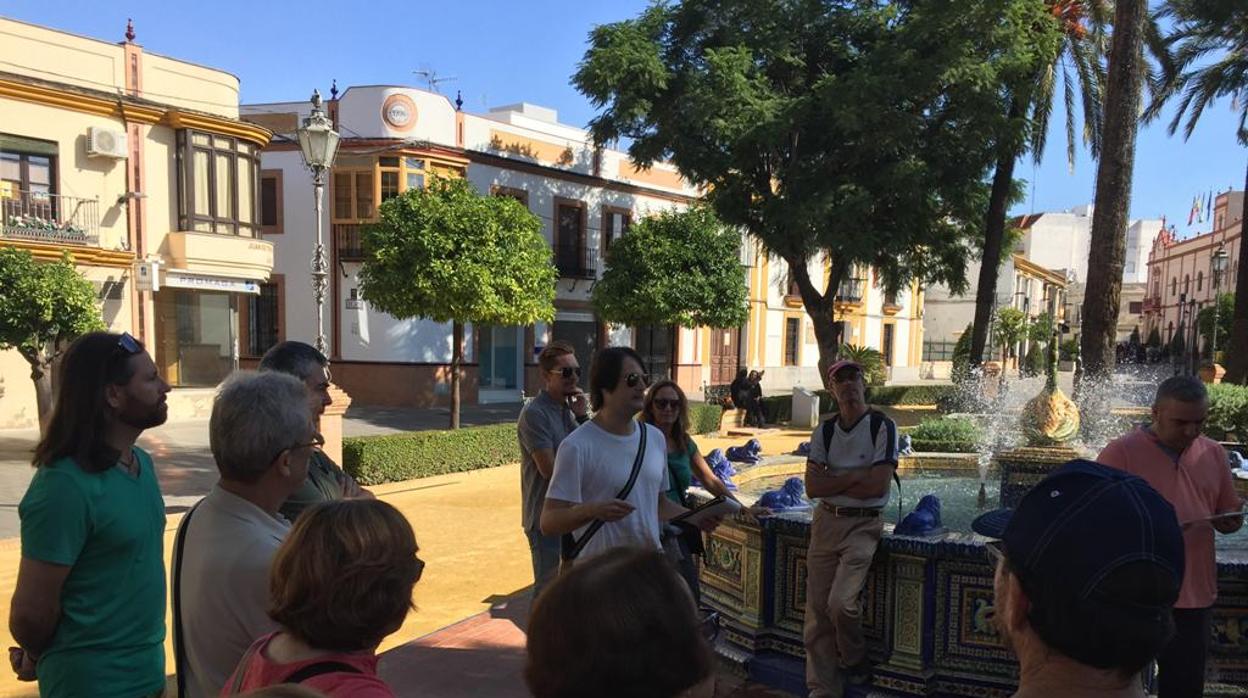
928	599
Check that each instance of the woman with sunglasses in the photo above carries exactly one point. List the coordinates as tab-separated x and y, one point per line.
667	408
341	582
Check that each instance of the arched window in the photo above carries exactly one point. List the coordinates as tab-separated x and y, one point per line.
1200	280
1187	283
1170	331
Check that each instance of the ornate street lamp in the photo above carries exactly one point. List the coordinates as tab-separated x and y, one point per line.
1218	265
318	142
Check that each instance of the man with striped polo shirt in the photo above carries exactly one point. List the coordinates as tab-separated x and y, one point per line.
852	459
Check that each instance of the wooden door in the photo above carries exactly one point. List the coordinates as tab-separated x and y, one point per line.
724	355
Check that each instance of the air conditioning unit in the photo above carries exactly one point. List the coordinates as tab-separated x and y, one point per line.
105	142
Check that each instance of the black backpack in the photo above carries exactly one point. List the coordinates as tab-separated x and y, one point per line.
877	418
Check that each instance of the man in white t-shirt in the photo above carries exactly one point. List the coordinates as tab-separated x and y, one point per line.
848	472
594	462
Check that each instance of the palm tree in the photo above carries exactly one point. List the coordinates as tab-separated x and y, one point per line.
1210	61
1134	29
1081	48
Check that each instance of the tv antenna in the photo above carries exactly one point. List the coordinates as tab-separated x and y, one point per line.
432	79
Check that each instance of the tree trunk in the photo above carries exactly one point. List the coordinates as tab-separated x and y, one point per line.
1113	190
994	239
1237	352
821	310
41	376
457	359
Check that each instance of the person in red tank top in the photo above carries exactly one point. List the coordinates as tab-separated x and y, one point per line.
341	582
1192	472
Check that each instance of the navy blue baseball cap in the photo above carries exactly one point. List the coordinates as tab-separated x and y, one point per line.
1082	522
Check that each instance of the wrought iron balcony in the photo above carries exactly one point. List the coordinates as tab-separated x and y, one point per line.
576	261
347	237
35	215
850	291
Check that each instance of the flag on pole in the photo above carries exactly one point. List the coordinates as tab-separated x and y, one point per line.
1209	206
1193	214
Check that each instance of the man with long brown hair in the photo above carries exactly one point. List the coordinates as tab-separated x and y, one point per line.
89	608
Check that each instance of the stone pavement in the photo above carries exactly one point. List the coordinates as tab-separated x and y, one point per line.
465	637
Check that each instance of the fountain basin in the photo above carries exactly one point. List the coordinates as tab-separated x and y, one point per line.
926	600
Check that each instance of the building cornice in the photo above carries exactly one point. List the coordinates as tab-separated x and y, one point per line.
85	256
128	109
1023	264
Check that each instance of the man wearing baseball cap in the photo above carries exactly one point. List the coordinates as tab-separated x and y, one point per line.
852	457
1088	568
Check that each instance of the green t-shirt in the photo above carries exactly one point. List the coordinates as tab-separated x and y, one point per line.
109	528
325	483
680	471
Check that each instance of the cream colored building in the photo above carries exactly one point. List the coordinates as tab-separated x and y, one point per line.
137	164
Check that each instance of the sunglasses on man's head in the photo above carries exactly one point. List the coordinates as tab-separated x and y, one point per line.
847	376
633	379
568	371
665	404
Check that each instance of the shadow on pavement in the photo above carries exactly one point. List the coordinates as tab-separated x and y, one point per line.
363	421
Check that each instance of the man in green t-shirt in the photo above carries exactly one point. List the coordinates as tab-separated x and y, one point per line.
326	481
88	613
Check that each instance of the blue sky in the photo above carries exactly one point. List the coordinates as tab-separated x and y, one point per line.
507	51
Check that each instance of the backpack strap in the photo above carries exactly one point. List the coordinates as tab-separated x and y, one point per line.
179	644
876	418
316	669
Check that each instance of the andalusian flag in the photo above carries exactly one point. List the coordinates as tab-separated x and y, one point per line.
1194	214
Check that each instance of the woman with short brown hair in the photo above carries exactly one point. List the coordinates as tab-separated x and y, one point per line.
341	582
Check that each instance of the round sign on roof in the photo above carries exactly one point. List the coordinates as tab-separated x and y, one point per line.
399	112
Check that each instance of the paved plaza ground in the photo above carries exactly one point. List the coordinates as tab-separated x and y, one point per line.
466	636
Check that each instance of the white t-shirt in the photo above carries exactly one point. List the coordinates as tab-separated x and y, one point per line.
593	464
854	448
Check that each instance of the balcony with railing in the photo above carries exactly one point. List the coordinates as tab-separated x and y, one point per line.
347	237
851	291
576	261
1152	304
44	217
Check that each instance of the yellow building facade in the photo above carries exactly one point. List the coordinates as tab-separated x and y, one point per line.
138	165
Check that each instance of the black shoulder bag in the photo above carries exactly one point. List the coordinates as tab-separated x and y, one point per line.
569	546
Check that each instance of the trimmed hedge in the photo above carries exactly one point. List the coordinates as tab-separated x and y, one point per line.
945	434
373	460
1228	412
704	417
779	408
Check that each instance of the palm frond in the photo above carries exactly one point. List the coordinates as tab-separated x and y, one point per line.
1091	71
1042	109
1068	92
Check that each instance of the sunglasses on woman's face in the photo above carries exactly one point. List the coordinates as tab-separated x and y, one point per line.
568	371
663	404
633	379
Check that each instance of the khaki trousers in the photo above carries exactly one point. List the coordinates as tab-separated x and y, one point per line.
837	562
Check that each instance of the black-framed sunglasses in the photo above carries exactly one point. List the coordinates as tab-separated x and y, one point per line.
317	442
567	371
633	379
844	376
418	571
665	404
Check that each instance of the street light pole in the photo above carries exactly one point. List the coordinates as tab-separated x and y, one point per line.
318	142
1218	264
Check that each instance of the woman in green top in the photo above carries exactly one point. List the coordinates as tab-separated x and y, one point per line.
667	408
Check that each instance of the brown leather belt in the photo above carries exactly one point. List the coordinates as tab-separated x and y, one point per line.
859	512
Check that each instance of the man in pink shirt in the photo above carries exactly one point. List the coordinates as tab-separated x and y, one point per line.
1192	473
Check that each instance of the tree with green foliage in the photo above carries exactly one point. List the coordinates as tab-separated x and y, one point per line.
680	268
43	307
859	134
1040	328
450	254
1210	43
1226	319
1009	330
1079	26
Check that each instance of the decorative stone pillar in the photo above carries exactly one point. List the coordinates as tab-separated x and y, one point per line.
331	422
